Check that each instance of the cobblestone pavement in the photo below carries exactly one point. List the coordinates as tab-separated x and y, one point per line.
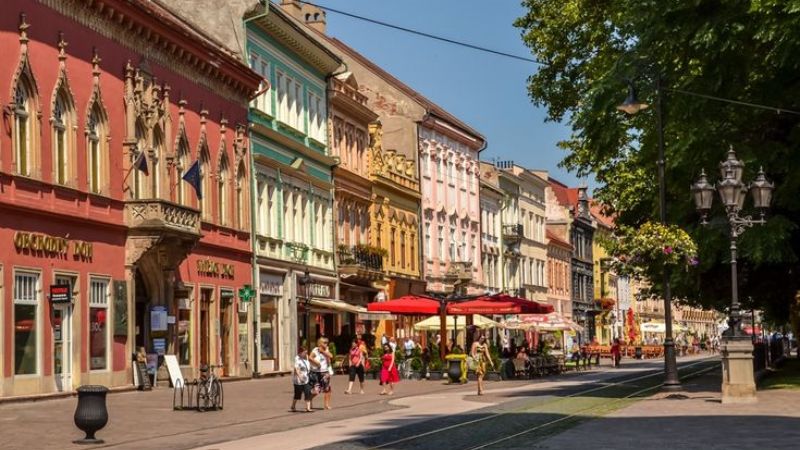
146	420
456	420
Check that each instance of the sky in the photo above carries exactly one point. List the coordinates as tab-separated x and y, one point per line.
486	91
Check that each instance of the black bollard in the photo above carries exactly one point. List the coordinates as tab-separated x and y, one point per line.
91	414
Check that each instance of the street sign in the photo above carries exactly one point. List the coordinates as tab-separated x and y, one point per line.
246	293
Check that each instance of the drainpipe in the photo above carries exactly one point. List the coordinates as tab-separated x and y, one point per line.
256	302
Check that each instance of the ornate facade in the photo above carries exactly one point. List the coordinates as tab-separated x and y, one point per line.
98	134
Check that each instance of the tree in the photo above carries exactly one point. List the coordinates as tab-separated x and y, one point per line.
742	50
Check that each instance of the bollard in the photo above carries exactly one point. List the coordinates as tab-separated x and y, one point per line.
91	414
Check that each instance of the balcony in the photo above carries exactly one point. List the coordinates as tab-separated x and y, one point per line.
361	262
518	292
163	217
512	232
460	272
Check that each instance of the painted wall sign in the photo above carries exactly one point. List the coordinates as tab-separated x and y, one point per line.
52	245
316	289
212	268
271	285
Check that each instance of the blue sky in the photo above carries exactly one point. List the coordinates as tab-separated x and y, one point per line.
484	90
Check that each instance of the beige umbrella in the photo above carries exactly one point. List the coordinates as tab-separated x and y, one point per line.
432	323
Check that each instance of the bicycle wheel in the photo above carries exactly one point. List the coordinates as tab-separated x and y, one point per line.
203	396
215	394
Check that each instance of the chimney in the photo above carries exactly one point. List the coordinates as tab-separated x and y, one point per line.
312	16
583	203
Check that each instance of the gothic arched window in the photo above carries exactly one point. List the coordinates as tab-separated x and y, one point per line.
97	162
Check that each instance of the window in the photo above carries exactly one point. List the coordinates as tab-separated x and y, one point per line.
241	208
24	126
392	248
263	218
316	117
141	146
263	102
288	213
428	249
441	243
413	252
63	121
205	180
290	101
271	219
98	324
181	167
26	323
158	148
223	190
426	164
403	249
97	152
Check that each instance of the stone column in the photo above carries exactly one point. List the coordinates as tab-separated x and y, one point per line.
738	381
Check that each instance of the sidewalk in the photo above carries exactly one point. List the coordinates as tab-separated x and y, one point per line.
146	420
700	421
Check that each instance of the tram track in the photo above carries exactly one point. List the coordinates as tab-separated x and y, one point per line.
597	395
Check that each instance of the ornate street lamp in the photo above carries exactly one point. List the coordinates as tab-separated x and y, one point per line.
738	383
632	105
306	281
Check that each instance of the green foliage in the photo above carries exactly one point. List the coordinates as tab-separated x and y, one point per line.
738	50
643	251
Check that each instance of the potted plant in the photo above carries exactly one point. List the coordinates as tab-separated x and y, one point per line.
493	374
456	367
435	368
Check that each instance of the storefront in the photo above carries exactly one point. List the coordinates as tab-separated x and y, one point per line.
271	299
63	318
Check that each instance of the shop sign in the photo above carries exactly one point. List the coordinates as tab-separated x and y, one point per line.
315	290
271	285
52	245
211	268
246	293
60	293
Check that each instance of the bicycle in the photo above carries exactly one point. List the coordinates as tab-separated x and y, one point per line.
209	389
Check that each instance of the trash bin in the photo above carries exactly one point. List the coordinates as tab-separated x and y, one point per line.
638	352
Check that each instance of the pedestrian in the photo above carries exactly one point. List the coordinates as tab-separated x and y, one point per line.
321	371
616	355
358	357
480	353
426	360
393	343
389	373
384	340
408	346
301	379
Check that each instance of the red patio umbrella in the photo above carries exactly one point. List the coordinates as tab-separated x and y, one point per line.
407	304
526	306
481	306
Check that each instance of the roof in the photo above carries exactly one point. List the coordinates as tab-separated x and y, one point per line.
566	196
556	239
432	108
597	212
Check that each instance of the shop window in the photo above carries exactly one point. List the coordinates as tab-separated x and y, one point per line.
184	344
98	324
26	323
268	328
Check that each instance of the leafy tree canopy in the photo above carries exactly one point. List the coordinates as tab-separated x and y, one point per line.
734	49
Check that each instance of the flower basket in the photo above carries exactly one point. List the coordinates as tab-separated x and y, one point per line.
635	250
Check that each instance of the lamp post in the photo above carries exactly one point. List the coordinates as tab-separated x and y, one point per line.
631	106
306	281
738	384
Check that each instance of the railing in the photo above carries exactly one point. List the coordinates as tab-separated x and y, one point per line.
512	231
161	214
363	257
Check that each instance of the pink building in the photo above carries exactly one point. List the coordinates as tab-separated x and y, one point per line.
449	173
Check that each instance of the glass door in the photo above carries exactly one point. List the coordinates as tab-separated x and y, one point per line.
62	347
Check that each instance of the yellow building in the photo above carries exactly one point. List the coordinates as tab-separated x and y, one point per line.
605	280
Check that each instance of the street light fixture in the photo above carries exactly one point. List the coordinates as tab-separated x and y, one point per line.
632	105
306	281
738	384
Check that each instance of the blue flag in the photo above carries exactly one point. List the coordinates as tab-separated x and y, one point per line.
141	163
192	176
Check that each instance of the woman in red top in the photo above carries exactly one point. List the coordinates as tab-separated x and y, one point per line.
358	358
389	374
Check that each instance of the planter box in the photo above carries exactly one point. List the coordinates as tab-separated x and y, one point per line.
472	376
492	376
435	375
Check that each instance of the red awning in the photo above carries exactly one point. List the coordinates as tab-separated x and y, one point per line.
407	304
526	306
481	306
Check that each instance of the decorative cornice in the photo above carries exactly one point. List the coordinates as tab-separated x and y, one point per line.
139	24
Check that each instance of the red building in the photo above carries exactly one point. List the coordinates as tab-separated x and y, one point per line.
103	249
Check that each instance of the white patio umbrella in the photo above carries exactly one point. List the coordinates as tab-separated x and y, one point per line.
432	323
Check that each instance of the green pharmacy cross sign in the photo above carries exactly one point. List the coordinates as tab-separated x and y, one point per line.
246	293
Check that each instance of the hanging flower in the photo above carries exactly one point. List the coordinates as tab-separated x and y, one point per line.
651	245
668	250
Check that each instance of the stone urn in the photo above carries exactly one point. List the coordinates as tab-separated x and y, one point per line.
91	414
456	368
